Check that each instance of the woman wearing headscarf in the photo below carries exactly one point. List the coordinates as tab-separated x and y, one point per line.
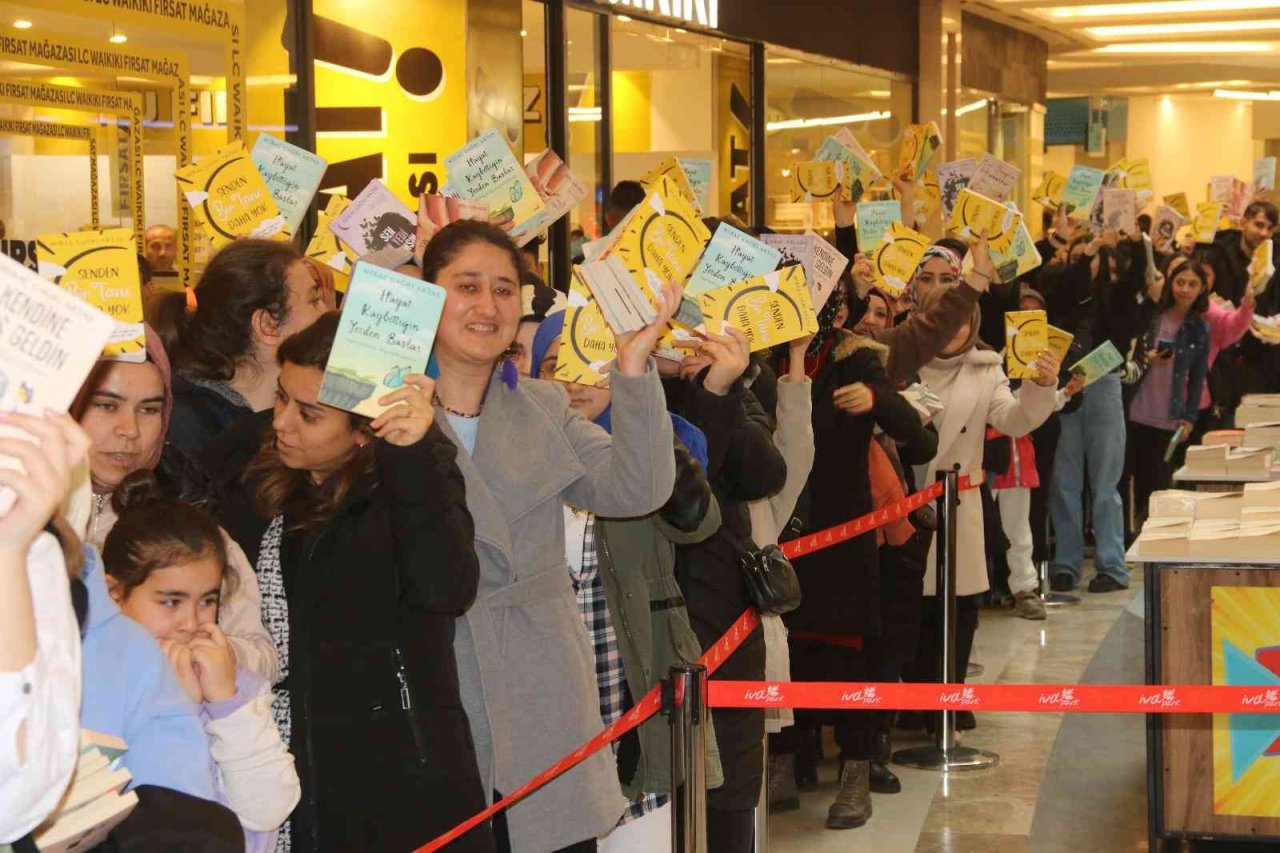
969	379
623	574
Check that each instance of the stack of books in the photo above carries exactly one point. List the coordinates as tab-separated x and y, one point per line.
93	803
1261	434
1214	525
1206	460
1257	409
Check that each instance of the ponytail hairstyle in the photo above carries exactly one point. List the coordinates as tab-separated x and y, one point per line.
290	491
154	532
242	278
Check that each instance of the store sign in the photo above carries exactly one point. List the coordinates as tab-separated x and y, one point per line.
703	13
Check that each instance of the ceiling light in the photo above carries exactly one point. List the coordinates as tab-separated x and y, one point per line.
625	19
1189	47
22	24
1167	7
969	108
792	124
524	34
1236	95
118	38
1188	28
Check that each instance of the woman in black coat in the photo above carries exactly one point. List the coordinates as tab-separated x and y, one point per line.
835	633
364	551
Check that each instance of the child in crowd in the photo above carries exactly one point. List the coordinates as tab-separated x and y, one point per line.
166	562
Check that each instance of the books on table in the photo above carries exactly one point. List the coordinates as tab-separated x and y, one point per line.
1250	463
386	332
95	801
1206	461
1229	437
1026	336
1261	434
485	170
1256	409
229	198
101	267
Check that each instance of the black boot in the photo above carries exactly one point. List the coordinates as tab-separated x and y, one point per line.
783	795
883	780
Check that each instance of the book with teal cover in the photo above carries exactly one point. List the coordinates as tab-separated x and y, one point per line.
1083	185
486	170
1097	364
874	219
292	174
387	329
730	257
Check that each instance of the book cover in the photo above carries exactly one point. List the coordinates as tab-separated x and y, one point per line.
485	170
673	171
874	219
1059	343
822	262
994	178
1120	210
1131	174
1178	201
953	177
1264	174
1164	226
229	199
49	341
1026	335
374	220
559	187
731	256
975	215
1262	267
627	305
101	267
857	172
815	181
661	239
1020	258
919	143
1241	195
1081	191
292	174
87	827
928	196
895	259
1049	192
1206	221
1220	187
387	329
326	248
698	171
587	345
436	211
770	310
1097	364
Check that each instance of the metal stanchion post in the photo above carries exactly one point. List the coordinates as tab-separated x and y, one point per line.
684	701
1048	596
946	754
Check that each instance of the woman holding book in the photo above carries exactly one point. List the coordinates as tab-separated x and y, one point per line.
526	668
363	547
1172	363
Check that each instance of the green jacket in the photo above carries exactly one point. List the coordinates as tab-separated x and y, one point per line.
637	568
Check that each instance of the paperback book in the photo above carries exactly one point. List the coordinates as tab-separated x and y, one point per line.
770	310
953	177
731	256
1026	335
919	143
975	216
994	178
292	174
874	219
895	259
1097	364
375	220
101	267
485	170
1081	191
229	199
822	262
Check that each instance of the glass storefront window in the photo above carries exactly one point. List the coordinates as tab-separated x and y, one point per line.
808	100
973	121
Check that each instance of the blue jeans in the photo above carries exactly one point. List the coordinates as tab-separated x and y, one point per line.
1092	436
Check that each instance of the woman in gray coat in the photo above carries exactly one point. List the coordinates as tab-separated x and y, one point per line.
525	666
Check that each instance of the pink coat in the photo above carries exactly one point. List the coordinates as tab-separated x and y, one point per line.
1226	326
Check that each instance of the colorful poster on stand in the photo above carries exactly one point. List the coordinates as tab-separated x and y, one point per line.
100	267
485	170
229	199
386	332
292	174
770	310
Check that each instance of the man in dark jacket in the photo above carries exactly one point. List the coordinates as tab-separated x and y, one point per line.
743	465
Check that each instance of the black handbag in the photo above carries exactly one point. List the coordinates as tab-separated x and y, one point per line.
771	580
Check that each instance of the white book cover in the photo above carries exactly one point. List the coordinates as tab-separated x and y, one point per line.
994	178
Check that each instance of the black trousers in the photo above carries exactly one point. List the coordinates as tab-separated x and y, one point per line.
925	668
1045	440
1150	472
855	730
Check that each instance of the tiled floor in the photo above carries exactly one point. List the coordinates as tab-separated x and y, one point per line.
993	811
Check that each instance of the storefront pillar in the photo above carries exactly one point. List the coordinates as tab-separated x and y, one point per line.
938	87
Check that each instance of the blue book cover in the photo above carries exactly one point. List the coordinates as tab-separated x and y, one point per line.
387	329
730	257
291	173
874	219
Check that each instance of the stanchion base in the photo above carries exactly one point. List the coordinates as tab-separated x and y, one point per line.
958	758
1061	599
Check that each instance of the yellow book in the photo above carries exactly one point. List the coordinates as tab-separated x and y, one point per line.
896	256
928	196
772	309
662	239
1060	343
1207	219
816	180
587	344
1262	267
1135	175
229	198
1049	193
100	267
1178	201
325	246
919	143
671	169
976	214
1026	335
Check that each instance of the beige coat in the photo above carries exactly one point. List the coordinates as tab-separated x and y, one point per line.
975	392
525	666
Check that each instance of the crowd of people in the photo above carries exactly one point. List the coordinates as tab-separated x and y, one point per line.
320	631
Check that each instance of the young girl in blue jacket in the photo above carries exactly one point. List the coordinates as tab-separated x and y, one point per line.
1172	360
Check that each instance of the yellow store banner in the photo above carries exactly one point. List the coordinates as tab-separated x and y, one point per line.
100	267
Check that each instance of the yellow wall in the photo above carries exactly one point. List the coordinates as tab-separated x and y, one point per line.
631	111
1190	138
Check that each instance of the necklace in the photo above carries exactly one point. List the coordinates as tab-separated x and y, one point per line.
455	412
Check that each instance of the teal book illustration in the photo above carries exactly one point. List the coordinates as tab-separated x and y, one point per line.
1098	363
387	329
291	173
731	256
